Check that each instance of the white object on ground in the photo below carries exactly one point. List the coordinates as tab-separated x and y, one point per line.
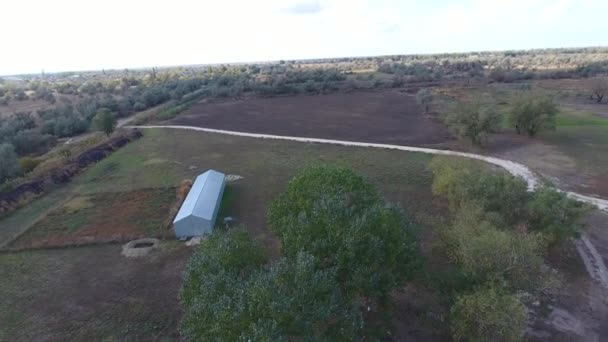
194	241
232	178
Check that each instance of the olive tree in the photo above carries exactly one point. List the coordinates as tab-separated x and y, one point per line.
472	121
531	114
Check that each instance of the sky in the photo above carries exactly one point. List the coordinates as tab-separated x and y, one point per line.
66	35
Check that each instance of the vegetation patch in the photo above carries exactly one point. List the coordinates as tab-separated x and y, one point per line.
102	217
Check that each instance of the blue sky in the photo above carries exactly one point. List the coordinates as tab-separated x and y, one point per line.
63	35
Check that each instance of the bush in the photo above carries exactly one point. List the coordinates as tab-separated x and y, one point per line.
8	162
488	315
104	121
27	164
487	254
532	114
339	218
462	181
473	122
555	215
424	97
32	141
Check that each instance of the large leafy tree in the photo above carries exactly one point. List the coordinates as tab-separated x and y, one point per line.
339	218
472	121
533	113
230	295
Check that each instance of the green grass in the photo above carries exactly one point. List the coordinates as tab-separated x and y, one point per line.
90	294
137	213
571	118
162	158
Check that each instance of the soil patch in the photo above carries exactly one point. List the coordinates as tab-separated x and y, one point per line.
106	217
385	117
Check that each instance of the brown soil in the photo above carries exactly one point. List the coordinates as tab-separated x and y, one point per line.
385	117
110	217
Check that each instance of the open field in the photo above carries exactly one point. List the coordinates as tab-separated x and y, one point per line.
160	160
91	294
574	156
390	117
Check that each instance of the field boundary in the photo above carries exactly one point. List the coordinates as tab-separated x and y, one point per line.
591	258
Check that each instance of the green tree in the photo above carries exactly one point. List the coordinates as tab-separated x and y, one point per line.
229	295
487	254
9	166
463	181
532	114
472	121
555	215
488	315
105	121
424	97
214	286
338	217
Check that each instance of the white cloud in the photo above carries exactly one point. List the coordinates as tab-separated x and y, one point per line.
72	35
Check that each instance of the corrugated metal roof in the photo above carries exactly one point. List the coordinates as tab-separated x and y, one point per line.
203	196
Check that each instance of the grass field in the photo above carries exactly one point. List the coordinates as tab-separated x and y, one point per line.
97	294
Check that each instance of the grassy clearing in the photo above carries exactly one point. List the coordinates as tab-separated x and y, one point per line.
90	293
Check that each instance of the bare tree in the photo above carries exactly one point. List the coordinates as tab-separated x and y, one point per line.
599	87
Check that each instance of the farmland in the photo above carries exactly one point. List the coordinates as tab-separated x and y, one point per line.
390	117
61	251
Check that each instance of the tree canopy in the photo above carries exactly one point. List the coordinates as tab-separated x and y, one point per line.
533	113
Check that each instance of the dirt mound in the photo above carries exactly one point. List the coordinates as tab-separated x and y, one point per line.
25	192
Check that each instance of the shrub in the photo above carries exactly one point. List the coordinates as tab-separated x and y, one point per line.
27	164
555	215
461	181
472	121
488	315
532	114
105	121
335	215
424	97
8	162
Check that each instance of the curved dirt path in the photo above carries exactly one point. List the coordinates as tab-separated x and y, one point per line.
591	257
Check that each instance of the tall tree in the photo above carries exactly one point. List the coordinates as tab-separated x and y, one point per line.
105	121
533	113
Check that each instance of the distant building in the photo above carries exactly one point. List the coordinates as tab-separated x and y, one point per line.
197	214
